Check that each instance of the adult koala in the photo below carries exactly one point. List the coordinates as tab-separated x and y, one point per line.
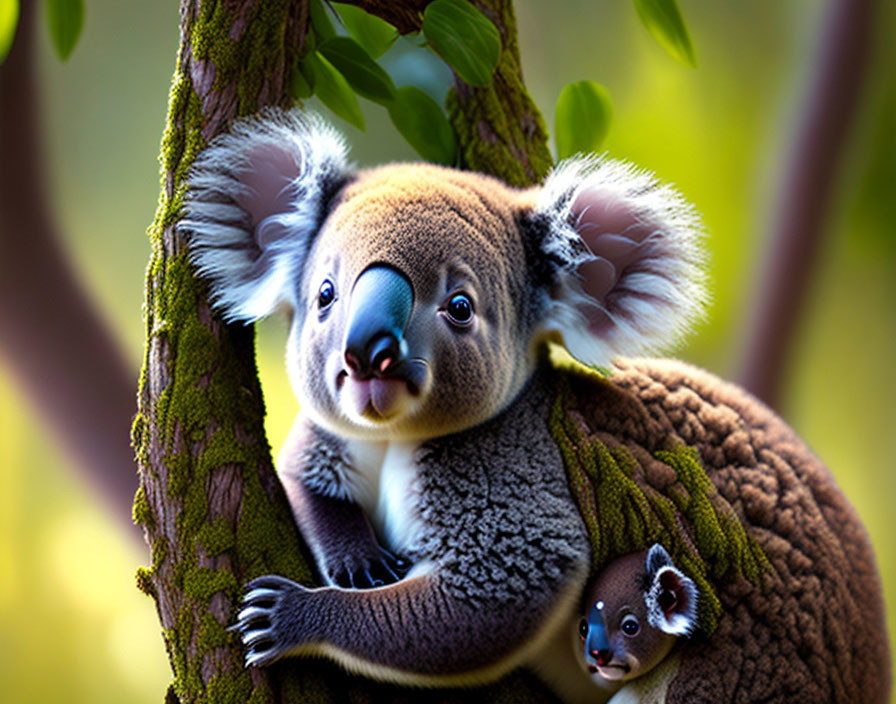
423	469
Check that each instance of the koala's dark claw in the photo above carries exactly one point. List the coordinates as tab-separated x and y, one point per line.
342	579
371	580
377	572
398	564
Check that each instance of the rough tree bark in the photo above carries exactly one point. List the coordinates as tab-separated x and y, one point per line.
209	501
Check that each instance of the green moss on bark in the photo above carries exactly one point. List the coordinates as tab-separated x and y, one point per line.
499	128
624	513
200	421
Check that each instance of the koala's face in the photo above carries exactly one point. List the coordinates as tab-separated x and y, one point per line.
420	293
634	611
413	318
632	645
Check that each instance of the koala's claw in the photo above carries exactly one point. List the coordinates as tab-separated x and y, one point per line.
380	571
267	606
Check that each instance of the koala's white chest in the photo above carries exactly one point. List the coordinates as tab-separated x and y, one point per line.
386	489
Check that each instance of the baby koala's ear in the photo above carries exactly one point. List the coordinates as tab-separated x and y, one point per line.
671	596
623	257
256	198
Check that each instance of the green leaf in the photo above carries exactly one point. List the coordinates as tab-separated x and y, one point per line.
423	124
334	91
299	85
65	19
363	73
581	118
465	38
9	18
320	20
372	33
663	20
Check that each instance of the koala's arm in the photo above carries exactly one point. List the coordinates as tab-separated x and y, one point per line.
419	631
502	557
314	471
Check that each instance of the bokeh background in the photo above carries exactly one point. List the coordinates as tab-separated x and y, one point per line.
73	626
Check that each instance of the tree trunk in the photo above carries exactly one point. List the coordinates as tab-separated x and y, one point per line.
803	207
209	502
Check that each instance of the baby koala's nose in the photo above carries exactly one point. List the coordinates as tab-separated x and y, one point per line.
602	657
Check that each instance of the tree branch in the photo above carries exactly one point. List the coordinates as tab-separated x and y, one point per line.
499	128
209	502
60	351
406	16
807	182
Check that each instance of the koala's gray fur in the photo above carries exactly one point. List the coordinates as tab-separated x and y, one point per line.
421	470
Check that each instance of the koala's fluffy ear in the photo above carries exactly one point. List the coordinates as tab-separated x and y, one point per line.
257	197
671	597
624	259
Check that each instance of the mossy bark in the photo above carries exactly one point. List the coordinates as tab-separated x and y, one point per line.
499	128
209	501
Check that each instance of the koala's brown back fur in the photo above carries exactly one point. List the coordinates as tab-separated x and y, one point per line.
813	629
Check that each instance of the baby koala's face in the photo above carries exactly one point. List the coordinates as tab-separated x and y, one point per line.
635	609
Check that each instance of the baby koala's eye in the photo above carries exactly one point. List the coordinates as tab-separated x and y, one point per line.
583	629
459	309
326	294
630	625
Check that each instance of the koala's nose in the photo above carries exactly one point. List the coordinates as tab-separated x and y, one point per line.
381	304
381	354
602	657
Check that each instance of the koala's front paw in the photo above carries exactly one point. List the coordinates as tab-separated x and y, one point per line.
271	621
375	567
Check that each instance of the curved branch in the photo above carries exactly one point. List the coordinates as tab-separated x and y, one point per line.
60	351
804	206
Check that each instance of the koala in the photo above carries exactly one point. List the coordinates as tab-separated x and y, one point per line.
633	612
636	608
421	469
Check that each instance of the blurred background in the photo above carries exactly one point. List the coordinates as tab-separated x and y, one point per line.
74	627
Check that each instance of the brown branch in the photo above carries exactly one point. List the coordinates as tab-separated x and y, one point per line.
209	501
406	17
804	208
61	353
499	127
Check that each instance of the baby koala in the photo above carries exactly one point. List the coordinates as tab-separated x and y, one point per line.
635	609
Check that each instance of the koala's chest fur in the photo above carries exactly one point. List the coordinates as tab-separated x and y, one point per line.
490	501
386	486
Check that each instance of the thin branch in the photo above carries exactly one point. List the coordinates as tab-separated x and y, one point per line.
406	17
803	209
62	355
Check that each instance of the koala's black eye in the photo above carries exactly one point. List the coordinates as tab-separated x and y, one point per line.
459	309
326	295
583	628
630	625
